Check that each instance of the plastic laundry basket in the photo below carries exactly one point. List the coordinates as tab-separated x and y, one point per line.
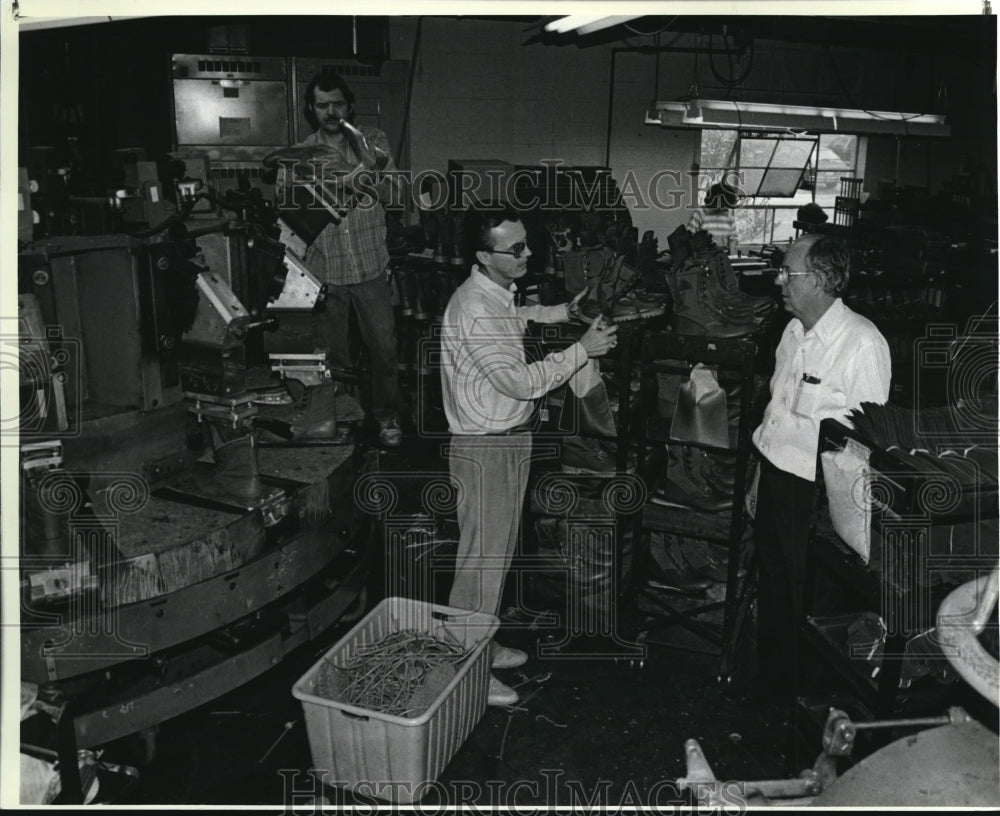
385	756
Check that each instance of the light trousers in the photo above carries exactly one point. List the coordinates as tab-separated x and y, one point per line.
490	474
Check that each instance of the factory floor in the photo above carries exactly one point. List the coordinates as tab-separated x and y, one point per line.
592	729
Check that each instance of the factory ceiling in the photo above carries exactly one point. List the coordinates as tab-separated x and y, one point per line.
954	34
942	34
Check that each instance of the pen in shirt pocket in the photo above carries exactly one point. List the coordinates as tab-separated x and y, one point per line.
809	378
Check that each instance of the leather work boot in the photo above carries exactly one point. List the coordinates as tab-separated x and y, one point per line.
686	487
716	470
693	310
584	268
726	287
667	386
616	298
584	454
730	282
316	415
716	299
236	468
721	299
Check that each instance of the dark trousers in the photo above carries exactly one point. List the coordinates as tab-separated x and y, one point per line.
372	302
781	538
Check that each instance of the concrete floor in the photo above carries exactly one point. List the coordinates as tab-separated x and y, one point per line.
586	729
589	731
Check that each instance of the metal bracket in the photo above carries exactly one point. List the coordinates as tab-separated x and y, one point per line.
309	369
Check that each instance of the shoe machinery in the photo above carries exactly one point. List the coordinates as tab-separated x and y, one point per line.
950	760
187	468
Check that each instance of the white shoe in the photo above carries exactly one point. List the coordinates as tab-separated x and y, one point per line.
501	694
506	658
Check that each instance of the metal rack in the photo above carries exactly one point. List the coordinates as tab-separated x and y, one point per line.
734	360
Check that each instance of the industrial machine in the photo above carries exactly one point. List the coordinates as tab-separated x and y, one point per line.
954	763
187	484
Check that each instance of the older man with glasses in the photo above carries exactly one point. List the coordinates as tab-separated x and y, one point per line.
829	360
489	394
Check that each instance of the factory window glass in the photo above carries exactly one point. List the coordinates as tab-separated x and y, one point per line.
778	173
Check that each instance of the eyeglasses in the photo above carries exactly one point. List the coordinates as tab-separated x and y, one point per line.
515	251
785	273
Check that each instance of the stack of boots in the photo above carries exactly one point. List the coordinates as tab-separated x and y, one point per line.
688	485
701	306
705	250
672	572
715	264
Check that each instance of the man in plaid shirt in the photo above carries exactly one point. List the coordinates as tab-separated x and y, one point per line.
350	255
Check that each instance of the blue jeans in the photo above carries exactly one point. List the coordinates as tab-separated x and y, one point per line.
372	302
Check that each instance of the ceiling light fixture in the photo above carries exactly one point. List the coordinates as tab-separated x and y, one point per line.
714	113
587	23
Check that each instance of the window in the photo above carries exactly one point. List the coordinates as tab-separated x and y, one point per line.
777	173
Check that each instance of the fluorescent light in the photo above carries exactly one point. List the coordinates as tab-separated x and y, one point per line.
587	23
606	22
572	22
760	116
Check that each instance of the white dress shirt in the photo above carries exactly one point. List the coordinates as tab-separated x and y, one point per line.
487	386
848	356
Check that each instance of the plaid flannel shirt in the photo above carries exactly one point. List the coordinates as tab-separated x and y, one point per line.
353	251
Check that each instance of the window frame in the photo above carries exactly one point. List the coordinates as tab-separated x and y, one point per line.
770	205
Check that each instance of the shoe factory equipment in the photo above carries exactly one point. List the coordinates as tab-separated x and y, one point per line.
187	490
953	763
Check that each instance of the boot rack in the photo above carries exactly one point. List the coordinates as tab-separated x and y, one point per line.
733	359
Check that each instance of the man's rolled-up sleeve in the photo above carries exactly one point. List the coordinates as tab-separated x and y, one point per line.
488	355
